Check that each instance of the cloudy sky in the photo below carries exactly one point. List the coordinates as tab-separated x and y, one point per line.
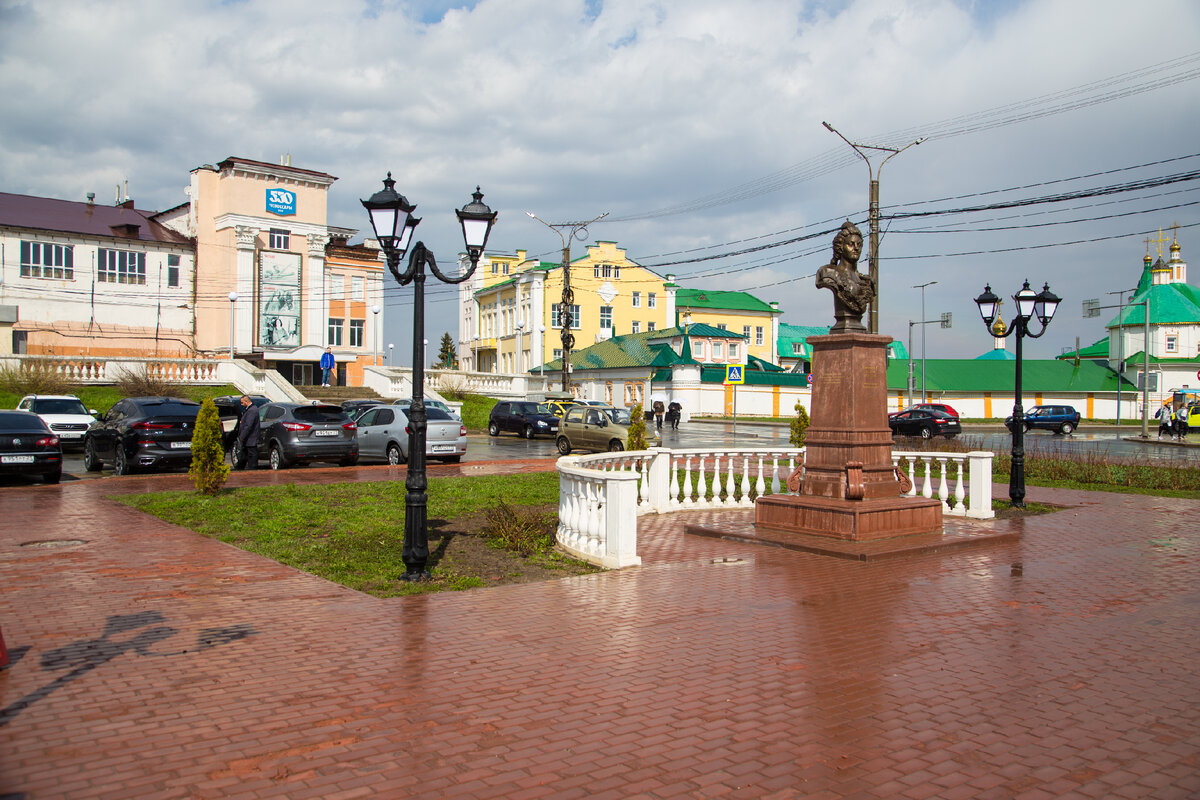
1057	133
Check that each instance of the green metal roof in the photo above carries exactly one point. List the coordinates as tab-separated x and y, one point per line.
620	352
798	334
973	375
1170	304
712	298
997	354
1097	349
1137	358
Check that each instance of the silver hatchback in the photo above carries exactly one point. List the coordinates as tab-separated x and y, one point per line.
383	435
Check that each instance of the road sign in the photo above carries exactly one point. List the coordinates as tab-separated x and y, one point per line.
734	373
808	377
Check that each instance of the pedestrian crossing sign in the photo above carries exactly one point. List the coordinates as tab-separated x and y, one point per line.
734	373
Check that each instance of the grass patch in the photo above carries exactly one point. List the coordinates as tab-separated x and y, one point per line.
353	533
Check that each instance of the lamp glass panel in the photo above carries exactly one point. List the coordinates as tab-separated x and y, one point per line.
1025	302
475	232
987	310
383	220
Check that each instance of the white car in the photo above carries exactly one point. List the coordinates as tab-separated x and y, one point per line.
64	413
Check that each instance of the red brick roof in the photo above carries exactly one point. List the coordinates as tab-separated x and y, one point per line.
89	219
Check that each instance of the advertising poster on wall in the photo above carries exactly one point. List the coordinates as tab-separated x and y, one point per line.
279	299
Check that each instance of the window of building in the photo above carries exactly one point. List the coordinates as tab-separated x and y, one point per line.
172	271
733	350
557	353
606	316
337	287
651	300
698	350
635	326
1172	343
746	332
718	349
504	268
636	299
42	260
797	348
357	290
650	325
576	316
721	326
616	271
278	239
335	332
495	268
356	332
120	266
758	335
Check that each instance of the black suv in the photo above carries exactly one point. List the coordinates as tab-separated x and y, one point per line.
142	432
293	433
524	417
1061	419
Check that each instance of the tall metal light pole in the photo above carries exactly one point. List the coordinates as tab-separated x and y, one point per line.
921	286
390	346
392	220
577	230
873	174
233	296
376	334
1043	305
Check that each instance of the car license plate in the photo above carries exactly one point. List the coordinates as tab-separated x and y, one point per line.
181	445
325	433
70	435
443	448
16	459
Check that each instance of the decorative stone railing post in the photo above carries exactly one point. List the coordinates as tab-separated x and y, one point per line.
979	504
658	480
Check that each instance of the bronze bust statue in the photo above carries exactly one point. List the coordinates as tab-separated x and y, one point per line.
852	291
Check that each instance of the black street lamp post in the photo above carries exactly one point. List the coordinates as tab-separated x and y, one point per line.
393	223
1042	305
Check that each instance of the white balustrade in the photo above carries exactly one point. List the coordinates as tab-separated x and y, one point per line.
602	495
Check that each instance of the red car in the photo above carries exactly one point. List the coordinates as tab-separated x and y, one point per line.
938	407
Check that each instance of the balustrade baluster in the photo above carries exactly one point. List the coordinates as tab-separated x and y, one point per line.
912	475
596	512
943	490
745	498
959	491
760	486
774	473
702	479
673	485
730	500
927	487
644	490
688	500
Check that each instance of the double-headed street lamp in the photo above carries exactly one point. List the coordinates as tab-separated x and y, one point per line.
1042	305
393	223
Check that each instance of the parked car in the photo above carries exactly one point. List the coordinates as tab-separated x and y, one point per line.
142	433
295	433
924	422
383	435
1061	419
29	447
1194	416
596	428
938	407
405	402
229	408
355	408
63	413
559	407
524	417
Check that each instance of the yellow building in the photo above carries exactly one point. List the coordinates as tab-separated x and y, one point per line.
736	312
509	311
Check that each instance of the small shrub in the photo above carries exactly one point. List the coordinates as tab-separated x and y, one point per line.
637	429
34	377
208	470
140	383
522	529
799	426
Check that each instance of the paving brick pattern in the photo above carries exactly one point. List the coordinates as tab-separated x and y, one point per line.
154	663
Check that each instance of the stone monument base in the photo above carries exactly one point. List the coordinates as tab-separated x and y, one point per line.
850	520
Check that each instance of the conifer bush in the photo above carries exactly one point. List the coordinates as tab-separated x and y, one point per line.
799	426
637	429
208	470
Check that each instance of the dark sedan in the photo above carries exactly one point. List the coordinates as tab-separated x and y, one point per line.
292	433
142	433
27	447
924	422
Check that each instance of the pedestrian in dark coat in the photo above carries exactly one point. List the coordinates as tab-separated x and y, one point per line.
248	429
658	414
674	409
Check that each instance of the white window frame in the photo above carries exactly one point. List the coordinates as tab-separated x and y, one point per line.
636	299
279	239
357	332
651	300
606	317
651	325
334	331
698	350
120	266
635	326
718	351
1172	343
759	335
746	332
59	266
357	287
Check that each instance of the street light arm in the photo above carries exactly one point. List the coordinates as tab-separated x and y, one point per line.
393	262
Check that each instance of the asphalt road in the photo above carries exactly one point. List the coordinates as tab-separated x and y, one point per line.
1104	442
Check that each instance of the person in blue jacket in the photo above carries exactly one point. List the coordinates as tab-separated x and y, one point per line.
327	364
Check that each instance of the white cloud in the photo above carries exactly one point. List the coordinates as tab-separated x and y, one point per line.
570	108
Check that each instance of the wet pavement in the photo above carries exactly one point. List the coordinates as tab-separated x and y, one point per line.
153	662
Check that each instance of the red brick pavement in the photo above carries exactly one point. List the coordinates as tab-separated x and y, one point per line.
162	664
